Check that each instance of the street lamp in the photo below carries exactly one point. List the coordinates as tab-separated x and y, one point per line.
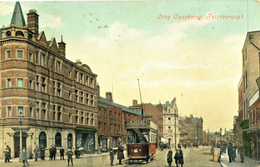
20	118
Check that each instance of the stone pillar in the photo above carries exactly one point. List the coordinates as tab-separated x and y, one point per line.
30	145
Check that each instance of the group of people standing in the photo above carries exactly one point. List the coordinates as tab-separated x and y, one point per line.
120	154
232	152
178	157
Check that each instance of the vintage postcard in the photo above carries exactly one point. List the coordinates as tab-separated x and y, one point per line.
130	83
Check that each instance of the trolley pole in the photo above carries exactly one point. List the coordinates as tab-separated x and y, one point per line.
141	99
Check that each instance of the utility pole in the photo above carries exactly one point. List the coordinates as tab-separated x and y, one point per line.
175	126
197	130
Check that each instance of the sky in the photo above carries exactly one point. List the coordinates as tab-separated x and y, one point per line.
196	59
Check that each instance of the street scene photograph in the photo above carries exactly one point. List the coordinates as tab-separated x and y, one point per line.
130	83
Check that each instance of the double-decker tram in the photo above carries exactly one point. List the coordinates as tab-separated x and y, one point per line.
141	139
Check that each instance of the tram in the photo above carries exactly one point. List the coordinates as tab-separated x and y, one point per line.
141	139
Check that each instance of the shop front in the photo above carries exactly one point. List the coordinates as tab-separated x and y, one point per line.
85	138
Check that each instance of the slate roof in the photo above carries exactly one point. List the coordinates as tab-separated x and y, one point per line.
17	17
229	133
168	105
124	108
181	118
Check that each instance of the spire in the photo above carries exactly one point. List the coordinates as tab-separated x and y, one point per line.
17	17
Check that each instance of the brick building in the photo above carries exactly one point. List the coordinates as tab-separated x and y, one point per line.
111	121
56	97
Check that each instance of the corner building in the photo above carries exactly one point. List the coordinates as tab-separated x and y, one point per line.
57	97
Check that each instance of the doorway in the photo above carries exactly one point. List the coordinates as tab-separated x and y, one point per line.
17	143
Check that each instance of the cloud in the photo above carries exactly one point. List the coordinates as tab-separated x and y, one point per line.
117	32
234	42
175	32
50	21
8	9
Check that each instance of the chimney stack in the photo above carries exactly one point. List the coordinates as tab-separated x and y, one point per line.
134	102
62	47
109	96
98	90
167	102
33	21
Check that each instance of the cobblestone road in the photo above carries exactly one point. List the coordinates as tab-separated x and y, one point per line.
193	157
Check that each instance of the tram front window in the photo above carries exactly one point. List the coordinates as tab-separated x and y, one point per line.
130	140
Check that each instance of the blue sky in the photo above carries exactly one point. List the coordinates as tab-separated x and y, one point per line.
196	61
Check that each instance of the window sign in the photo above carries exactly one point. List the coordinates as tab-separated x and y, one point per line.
91	142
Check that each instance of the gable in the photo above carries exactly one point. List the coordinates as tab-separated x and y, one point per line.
42	38
53	44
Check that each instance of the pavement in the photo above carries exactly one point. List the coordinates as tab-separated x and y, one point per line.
248	162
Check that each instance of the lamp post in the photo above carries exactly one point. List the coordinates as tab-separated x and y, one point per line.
220	134
20	118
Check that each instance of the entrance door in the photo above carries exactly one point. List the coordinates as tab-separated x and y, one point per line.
17	144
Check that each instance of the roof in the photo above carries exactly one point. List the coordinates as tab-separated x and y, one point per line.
210	133
124	108
17	17
194	120
181	118
168	105
229	133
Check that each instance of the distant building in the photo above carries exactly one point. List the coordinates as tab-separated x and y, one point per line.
228	137
194	127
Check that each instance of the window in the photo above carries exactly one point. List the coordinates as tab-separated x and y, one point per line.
54	88
105	113
30	114
30	84
8	54
110	114
59	116
81	97
69	95
29	56
9	112
76	76
86	80
81	77
8	83
43	60
19	54
92	100
119	116
36	57
53	64
42	139
58	140
99	127
37	110
37	86
110	128
115	115
169	120
43	110
58	66
76	119
69	75
76	95
87	121
59	89
82	118
87	98
43	84
105	128
19	82
91	82
20	110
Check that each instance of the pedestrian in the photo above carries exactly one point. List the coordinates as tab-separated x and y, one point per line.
69	154
179	146
234	148
241	150
42	152
24	156
54	151
7	155
176	157
61	154
230	152
120	154
9	149
181	159
111	153
36	151
51	153
169	157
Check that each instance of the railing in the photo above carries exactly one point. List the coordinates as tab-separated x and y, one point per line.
137	123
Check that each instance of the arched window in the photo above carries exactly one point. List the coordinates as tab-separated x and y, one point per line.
19	33
42	139
69	141
58	139
30	36
8	33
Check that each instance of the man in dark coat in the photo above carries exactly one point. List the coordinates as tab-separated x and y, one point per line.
36	151
176	157
9	149
51	153
234	152
241	150
111	154
69	154
169	157
7	155
120	154
42	152
54	151
181	159
61	154
230	152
